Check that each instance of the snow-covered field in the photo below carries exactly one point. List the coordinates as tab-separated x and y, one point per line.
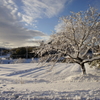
31	81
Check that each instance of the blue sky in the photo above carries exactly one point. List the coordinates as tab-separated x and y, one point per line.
24	22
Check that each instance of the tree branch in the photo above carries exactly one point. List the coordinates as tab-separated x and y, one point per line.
90	60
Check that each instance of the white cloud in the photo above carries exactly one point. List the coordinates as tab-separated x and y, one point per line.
41	8
27	19
19	14
38	40
30	10
12	33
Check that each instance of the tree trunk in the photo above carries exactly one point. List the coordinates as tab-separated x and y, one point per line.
83	68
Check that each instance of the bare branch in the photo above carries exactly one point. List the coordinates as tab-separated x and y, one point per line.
90	60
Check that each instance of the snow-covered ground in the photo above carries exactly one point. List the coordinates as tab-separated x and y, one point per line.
33	81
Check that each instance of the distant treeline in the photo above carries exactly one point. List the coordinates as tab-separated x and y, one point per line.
24	52
4	51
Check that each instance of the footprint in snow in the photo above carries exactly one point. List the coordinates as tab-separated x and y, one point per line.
3	85
12	87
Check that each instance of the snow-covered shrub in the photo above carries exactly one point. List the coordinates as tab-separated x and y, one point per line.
95	63
19	61
34	60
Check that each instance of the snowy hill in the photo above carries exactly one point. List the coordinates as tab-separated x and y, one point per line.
31	81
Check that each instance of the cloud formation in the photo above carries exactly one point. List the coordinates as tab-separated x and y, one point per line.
38	8
14	17
12	32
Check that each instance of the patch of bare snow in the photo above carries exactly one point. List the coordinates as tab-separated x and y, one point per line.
75	68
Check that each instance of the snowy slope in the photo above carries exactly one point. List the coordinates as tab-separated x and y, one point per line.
64	81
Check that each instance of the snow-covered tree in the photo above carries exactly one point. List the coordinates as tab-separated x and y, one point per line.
77	38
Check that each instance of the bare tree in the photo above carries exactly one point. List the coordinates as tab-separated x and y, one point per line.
77	39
